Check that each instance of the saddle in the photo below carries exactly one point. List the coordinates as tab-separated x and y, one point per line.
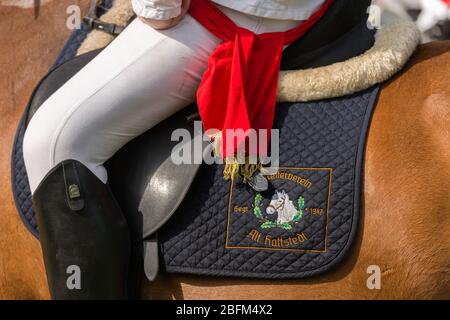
200	224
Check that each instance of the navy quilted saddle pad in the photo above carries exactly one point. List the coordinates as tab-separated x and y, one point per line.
307	220
302	226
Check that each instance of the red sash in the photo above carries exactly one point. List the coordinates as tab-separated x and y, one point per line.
238	90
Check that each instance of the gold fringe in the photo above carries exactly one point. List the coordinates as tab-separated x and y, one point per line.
244	171
217	143
233	167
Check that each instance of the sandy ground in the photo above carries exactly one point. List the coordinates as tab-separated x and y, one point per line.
29	43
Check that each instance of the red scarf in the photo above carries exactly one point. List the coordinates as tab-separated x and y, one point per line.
238	90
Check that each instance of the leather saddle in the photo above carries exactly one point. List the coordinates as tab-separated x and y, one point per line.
152	191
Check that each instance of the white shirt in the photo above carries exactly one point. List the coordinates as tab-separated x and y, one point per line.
274	9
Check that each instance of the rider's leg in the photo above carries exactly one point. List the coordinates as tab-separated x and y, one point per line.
141	78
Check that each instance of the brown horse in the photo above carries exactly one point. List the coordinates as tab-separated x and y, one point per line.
405	218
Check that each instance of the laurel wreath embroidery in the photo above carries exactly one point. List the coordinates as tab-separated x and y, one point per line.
268	224
257	206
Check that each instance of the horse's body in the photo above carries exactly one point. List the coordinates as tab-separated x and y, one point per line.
405	218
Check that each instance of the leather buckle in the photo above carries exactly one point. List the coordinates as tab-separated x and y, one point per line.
103	26
110	28
72	185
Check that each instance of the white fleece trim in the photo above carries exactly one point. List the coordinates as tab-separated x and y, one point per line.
394	44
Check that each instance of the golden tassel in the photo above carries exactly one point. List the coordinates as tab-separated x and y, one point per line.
232	167
244	171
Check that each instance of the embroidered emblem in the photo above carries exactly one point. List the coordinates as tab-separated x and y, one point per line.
291	215
287	214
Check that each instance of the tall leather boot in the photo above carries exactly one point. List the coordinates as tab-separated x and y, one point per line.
84	235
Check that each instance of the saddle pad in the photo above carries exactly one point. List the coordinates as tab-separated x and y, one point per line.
303	225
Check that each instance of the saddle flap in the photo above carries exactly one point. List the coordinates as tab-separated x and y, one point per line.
148	184
166	190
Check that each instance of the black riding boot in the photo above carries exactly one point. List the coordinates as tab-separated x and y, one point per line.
83	233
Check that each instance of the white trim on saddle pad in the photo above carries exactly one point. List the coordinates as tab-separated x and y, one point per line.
394	44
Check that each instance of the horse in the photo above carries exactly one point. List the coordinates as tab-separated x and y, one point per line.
405	202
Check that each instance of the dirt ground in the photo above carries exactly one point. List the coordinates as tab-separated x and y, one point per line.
30	40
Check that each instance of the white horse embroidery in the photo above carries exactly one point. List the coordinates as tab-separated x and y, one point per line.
281	204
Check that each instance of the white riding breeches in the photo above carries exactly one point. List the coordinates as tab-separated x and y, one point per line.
140	79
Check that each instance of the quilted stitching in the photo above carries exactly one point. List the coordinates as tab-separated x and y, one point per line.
21	188
319	134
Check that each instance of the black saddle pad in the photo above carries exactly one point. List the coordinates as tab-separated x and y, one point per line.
302	226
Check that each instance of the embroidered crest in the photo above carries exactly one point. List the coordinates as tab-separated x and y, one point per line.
292	215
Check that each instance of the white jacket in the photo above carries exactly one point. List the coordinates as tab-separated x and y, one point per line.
274	9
